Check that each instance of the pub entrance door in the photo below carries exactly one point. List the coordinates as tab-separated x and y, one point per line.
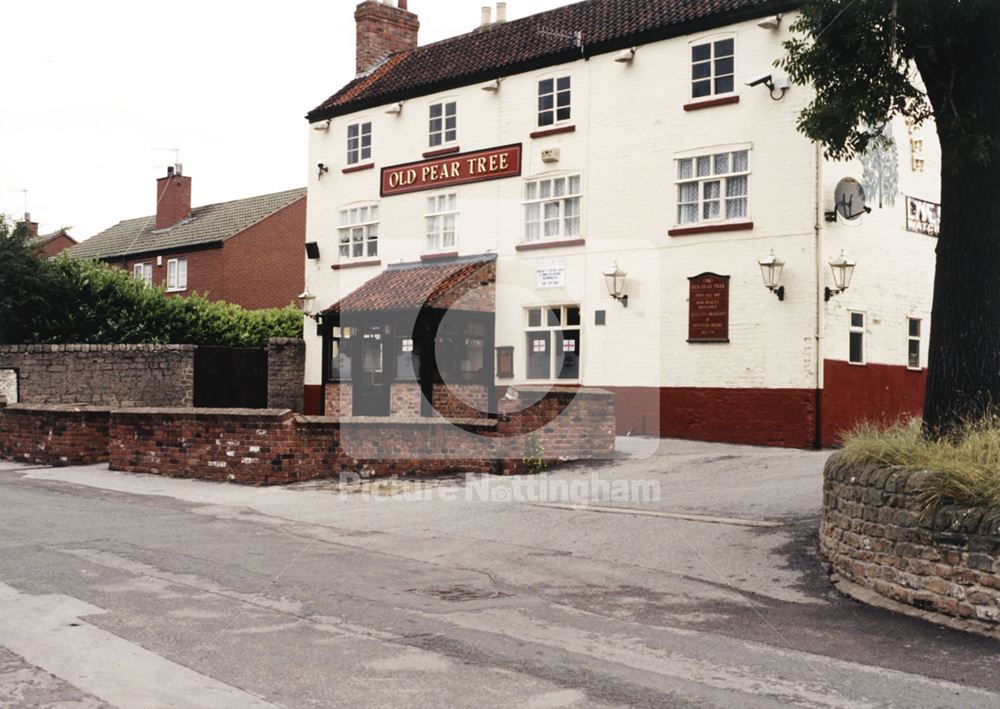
371	378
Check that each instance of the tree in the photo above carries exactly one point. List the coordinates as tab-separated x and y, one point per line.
870	60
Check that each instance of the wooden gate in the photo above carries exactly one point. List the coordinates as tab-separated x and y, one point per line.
230	377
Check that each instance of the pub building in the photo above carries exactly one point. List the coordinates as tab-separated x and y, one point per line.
611	194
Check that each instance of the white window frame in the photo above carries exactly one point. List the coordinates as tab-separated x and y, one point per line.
143	272
712	64
553	330
358	152
177	272
856	330
695	160
441	220
555	93
918	339
537	211
363	216
437	127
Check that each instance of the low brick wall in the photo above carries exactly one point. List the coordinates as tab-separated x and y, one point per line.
274	446
54	434
873	534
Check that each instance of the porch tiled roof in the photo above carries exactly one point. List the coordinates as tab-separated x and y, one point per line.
412	286
540	40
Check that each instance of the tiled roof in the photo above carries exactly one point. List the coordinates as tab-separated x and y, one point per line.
42	239
208	224
545	39
410	286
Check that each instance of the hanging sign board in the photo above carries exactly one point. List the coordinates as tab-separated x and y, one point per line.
708	308
457	169
550	273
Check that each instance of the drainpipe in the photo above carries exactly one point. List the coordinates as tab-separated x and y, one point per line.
818	228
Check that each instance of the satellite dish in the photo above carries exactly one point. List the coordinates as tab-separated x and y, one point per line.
849	199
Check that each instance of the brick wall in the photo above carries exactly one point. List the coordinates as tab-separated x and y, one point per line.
404	399
54	434
874	534
339	399
382	30
204	269
104	375
55	246
263	265
286	363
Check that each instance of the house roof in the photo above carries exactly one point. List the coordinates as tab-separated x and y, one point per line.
42	239
209	224
411	286
529	43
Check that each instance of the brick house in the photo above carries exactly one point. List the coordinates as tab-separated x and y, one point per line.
47	245
247	251
630	175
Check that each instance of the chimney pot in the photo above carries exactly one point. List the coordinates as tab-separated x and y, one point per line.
501	12
487	16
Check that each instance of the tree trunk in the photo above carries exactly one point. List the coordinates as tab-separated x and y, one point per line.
963	83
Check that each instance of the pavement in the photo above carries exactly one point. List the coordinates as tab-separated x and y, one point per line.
679	574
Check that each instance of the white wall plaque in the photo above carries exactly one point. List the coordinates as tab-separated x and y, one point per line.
550	273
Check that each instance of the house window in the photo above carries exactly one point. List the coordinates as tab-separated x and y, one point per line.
359	142
407	359
553	342
340	355
712	68
443	123
857	339
441	213
553	101
460	351
358	232
552	208
713	188
913	343
177	274
143	272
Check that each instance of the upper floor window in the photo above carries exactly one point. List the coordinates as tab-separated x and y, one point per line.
359	142
443	123
442	211
358	232
143	272
553	100
552	208
713	68
713	187
177	274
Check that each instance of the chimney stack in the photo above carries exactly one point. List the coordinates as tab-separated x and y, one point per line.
32	226
487	16
501	12
383	27
173	198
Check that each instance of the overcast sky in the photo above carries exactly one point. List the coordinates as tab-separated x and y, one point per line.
93	90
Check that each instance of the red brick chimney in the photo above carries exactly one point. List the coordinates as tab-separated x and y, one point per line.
32	226
383	27
173	198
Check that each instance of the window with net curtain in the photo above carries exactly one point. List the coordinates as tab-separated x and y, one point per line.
713	187
552	208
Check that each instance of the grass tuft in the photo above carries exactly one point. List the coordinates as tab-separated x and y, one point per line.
964	467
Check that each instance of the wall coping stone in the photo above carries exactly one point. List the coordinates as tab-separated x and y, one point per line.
411	421
561	390
192	414
56	408
46	349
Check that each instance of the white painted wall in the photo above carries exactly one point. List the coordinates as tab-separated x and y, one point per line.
630	125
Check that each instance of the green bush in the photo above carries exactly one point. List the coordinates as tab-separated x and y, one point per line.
63	300
964	467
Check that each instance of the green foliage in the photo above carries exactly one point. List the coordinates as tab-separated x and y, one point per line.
534	456
70	301
964	466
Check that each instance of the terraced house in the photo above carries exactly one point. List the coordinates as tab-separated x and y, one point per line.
612	194
247	251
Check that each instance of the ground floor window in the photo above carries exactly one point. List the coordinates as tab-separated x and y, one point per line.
553	342
913	343
340	355
857	339
177	274
143	272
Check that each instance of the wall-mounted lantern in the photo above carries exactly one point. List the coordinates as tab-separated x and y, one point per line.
615	281
307	302
770	270
843	272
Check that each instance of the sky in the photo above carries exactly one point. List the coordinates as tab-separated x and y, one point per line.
96	95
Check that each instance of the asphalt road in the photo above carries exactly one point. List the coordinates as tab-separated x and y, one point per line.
138	591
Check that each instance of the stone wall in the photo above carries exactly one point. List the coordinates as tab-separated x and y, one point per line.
286	370
874	535
54	434
103	375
